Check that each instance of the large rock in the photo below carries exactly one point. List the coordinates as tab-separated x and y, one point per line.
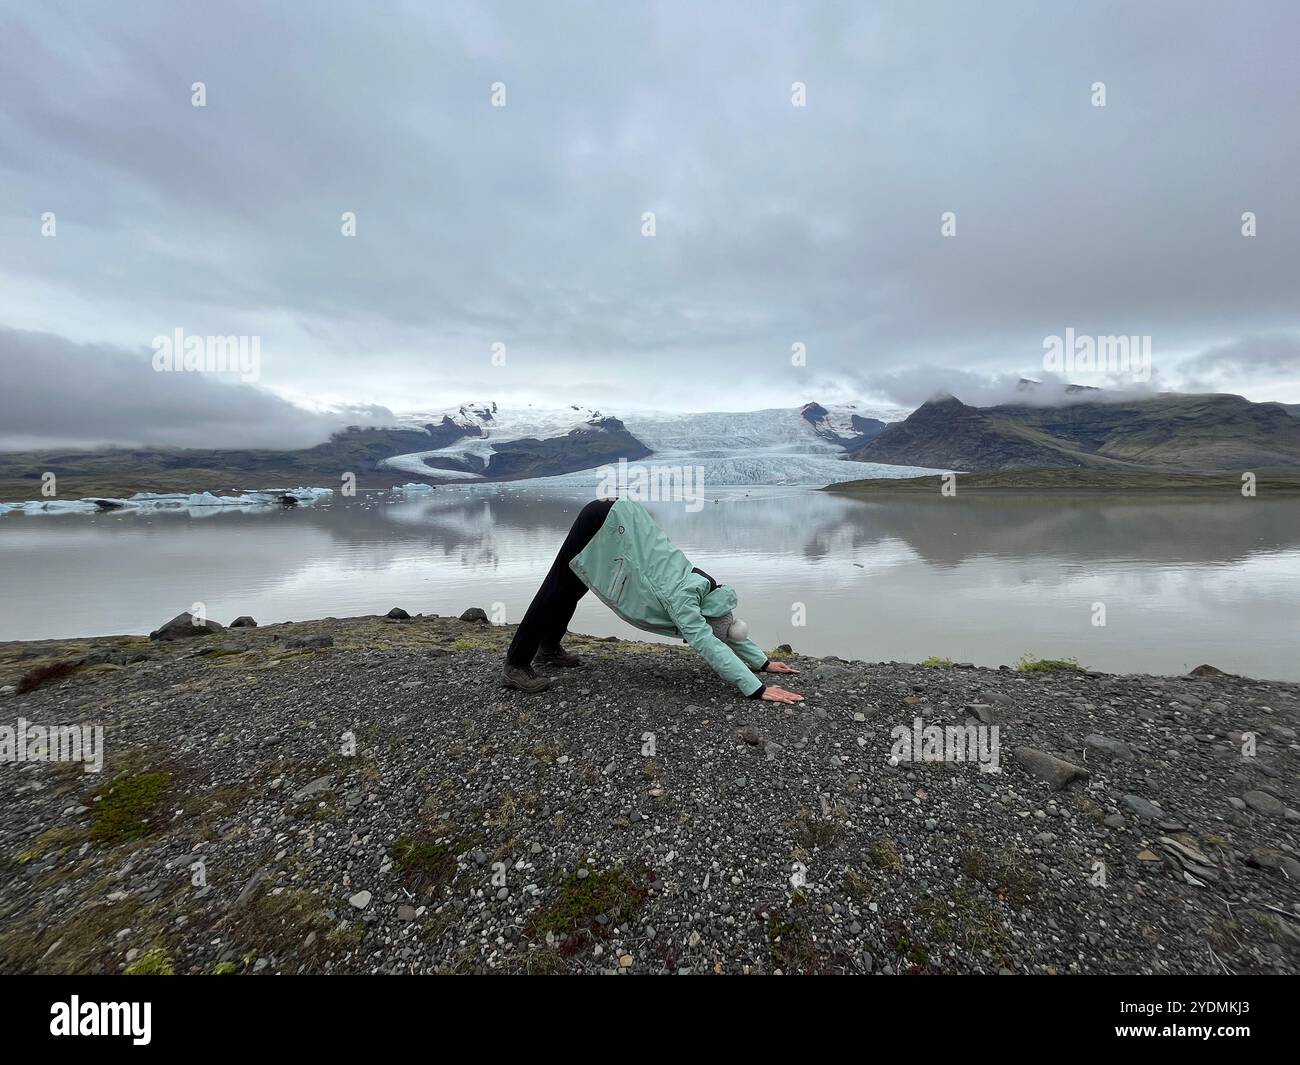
183	626
1264	803
316	787
1056	771
1111	748
297	643
474	613
1144	808
243	622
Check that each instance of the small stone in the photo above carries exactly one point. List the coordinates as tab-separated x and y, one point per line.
361	899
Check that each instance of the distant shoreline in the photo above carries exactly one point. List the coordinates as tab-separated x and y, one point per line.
1082	482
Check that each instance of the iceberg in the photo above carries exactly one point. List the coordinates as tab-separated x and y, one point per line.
201	502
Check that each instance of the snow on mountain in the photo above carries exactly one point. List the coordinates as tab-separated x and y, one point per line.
489	425
847	425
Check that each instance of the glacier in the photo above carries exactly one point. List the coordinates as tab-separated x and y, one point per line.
764	447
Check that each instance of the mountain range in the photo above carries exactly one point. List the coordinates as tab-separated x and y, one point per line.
811	444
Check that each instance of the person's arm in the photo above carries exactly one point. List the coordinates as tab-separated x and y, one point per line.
751	654
720	657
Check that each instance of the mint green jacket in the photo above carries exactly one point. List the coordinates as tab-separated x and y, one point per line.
635	570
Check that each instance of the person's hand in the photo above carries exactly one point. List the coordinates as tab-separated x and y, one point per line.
773	694
779	667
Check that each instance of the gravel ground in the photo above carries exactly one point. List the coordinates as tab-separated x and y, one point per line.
638	817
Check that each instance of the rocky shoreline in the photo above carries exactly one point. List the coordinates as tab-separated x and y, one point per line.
359	796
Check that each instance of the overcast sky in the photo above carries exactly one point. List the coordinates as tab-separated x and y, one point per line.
522	225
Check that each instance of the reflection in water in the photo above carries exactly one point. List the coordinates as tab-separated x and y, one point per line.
974	578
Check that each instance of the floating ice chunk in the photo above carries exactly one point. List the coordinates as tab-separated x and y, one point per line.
198	502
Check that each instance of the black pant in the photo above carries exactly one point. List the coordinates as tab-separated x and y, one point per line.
552	607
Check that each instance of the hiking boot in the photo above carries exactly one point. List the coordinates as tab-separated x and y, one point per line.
558	658
523	679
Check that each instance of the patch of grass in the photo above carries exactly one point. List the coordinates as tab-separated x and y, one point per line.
425	861
153	962
542	961
83	943
464	644
1029	664
126	806
855	885
346	936
1005	872
813	833
218	801
281	924
209	807
52	839
226	968
935	662
907	947
613	892
969	921
884	855
790	942
40	676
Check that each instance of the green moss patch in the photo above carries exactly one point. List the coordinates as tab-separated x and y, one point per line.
425	861
1028	664
128	807
153	962
615	893
1006	873
884	855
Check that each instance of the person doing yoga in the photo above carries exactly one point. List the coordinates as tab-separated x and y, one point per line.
616	550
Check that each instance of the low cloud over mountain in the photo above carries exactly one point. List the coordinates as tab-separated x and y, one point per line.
60	394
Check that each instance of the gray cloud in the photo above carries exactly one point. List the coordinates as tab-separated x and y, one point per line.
1227	366
62	394
913	385
775	224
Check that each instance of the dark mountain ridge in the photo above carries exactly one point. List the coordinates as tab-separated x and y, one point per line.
1209	433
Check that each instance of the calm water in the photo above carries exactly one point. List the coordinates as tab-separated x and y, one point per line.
972	579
